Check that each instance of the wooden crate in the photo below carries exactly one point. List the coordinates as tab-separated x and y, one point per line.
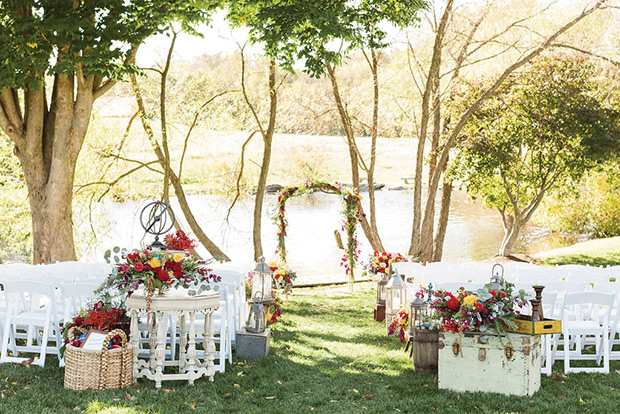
508	365
525	326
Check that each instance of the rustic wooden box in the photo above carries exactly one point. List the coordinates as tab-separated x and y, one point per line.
526	326
508	365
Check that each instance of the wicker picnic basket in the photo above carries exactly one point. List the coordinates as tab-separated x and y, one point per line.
98	370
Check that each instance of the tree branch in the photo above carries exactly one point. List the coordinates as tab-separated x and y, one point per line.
586	52
240	175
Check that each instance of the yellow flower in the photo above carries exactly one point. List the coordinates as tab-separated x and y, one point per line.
470	300
272	264
178	257
155	262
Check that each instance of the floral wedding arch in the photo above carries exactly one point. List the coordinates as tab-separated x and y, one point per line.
351	216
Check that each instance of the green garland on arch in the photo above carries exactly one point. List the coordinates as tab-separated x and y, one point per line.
351	211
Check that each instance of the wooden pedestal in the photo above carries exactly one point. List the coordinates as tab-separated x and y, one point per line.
379	312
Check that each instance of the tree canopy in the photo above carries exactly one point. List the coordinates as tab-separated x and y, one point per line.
319	32
546	124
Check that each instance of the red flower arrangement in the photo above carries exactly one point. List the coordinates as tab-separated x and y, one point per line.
179	241
400	321
380	262
468	310
101	316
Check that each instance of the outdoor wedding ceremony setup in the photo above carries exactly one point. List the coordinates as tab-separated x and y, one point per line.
176	311
309	206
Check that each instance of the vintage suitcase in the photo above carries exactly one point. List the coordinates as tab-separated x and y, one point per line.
507	364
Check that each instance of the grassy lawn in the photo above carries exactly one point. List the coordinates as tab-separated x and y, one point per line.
599	252
327	356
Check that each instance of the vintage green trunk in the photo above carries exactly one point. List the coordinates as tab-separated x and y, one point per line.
508	365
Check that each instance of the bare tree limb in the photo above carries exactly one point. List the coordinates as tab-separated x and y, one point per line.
586	52
240	175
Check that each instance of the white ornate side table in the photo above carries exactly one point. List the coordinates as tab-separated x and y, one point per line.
175	302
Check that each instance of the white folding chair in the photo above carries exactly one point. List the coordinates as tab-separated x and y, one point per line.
236	282
585	316
37	319
76	296
454	286
223	326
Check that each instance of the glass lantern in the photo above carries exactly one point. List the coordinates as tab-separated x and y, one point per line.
379	314
262	281
395	297
496	277
381	292
416	313
257	319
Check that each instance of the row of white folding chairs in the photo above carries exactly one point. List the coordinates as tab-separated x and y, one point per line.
33	307
73	271
588	319
440	272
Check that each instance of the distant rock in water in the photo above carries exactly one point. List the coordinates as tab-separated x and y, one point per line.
377	186
396	188
273	188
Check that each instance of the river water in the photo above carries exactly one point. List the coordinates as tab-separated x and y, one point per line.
474	232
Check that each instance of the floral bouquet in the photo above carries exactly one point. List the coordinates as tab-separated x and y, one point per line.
400	321
179	241
159	270
380	262
479	310
283	276
100	316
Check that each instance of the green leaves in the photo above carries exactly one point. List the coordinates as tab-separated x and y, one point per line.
546	125
44	37
319	32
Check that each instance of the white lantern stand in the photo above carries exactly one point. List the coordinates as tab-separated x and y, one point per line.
262	281
395	298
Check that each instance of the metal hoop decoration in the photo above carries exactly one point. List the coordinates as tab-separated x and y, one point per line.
148	219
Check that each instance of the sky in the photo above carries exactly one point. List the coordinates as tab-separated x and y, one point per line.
218	38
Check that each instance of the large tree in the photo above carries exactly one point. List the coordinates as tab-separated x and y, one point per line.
57	58
455	51
545	126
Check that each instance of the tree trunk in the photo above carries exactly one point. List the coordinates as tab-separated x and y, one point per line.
47	141
264	171
211	247
52	225
373	238
442	226
417	247
510	238
370	173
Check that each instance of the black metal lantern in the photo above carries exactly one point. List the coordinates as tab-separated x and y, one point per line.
262	281
496	277
257	319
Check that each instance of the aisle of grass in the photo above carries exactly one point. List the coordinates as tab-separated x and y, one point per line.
327	356
598	252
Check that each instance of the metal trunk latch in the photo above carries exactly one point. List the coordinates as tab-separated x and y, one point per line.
456	347
509	351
